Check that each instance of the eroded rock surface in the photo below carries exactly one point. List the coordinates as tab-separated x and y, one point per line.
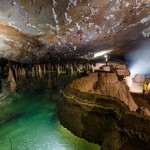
106	84
109	85
34	28
102	119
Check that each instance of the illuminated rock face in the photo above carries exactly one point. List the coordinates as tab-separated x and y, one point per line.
109	85
106	84
71	27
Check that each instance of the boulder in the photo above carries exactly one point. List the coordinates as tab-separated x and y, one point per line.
143	110
121	66
85	84
139	78
106	68
123	72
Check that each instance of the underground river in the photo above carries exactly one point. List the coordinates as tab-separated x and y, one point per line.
32	124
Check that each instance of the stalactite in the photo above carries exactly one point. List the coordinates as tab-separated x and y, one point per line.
33	72
12	81
54	3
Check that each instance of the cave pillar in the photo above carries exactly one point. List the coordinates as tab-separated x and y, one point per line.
16	72
19	72
86	67
71	70
92	68
67	69
64	68
33	72
52	68
37	70
57	70
75	67
13	70
12	82
81	67
40	72
44	70
27	71
0	85
61	68
47	69
23	73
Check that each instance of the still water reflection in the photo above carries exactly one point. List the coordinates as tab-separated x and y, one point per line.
33	125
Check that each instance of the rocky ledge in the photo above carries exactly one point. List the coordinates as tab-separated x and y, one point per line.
103	118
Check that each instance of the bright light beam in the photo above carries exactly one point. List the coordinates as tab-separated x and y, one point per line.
101	53
140	59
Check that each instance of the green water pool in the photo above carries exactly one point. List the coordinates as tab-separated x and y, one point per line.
32	124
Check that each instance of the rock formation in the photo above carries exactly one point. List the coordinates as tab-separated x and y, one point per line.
143	110
104	119
12	81
139	78
39	28
109	85
106	84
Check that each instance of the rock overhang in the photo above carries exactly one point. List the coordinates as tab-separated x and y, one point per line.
70	27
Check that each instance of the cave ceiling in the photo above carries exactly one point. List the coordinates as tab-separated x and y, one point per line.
70	28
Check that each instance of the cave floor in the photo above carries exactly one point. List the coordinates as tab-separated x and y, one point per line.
32	124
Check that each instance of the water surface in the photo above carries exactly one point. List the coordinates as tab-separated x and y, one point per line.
33	125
